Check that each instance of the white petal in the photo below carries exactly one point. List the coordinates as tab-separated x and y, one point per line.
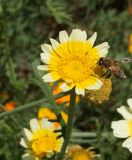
46	48
124	112
80	91
129	102
47	125
54	43
103	52
92	39
96	86
34	125
42	67
83	36
78	35
103	45
28	156
63	36
28	134
50	154
103	49
45	57
66	87
128	144
51	77
23	143
120	128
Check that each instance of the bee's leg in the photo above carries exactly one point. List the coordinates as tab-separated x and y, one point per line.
107	74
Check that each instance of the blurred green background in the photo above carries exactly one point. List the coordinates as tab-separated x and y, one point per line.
24	26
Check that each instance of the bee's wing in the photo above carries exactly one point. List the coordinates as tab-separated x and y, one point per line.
122	74
124	60
117	71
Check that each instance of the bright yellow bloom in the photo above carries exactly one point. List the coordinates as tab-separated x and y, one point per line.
76	152
41	141
73	60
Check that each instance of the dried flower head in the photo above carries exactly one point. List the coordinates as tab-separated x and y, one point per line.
77	152
101	95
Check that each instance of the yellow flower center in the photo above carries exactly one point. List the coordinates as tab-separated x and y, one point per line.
44	141
78	65
130	127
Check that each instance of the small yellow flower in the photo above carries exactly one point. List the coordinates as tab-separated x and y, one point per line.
73	60
77	152
123	128
41	141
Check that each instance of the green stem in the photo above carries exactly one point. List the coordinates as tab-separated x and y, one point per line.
78	134
26	106
23	107
69	123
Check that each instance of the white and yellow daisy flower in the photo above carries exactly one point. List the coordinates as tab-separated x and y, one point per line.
123	128
40	141
73	60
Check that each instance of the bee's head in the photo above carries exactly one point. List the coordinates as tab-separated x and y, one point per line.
101	61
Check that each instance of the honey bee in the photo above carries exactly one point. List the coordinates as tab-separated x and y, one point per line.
113	67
